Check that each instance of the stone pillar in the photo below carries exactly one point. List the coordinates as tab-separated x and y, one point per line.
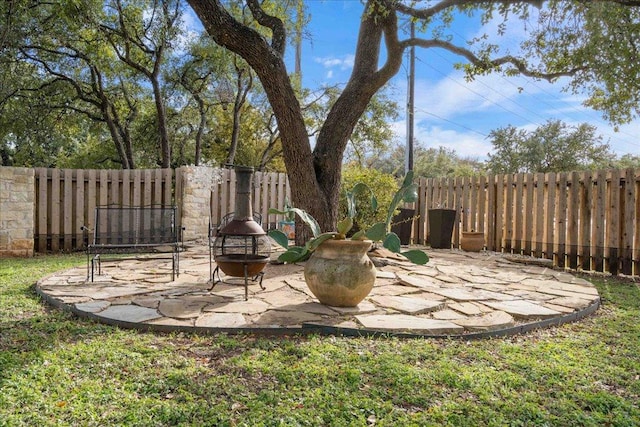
17	197
196	185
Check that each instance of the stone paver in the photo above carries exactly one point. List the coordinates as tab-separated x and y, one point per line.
495	320
523	309
456	293
403	322
407	305
129	313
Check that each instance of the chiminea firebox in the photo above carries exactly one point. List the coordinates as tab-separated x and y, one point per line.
241	248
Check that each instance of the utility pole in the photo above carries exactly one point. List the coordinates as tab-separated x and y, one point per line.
408	155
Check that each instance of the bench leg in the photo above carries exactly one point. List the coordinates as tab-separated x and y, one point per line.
88	262
173	267
214	282
94	260
246	282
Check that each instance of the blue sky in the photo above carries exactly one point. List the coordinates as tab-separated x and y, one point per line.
449	111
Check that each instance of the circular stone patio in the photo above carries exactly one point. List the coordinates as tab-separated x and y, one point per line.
456	294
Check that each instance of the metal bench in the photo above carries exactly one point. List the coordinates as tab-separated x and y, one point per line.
133	230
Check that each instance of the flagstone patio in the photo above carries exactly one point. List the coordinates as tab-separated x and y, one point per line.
455	294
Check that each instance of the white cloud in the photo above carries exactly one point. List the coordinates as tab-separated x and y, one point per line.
465	143
343	63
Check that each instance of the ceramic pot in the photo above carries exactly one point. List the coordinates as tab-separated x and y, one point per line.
441	222
288	228
472	241
340	273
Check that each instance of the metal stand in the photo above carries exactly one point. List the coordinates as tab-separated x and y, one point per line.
255	279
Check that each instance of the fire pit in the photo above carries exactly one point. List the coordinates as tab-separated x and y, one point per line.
241	248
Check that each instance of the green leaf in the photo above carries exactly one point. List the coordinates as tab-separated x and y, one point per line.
416	256
359	188
279	237
277	211
408	180
309	220
377	231
313	244
406	192
351	204
345	225
359	235
392	242
294	254
411	194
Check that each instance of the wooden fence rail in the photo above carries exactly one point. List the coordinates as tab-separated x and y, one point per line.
582	220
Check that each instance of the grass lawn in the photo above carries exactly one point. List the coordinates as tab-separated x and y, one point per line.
56	369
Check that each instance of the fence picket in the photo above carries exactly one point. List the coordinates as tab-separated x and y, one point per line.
613	224
540	204
54	219
519	206
529	208
573	230
68	234
599	229
636	240
561	221
482	203
491	213
80	209
508	214
586	221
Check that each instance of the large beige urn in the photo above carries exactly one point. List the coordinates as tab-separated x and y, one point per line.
340	273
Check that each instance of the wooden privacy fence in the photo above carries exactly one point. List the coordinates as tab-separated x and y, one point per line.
66	200
269	190
582	220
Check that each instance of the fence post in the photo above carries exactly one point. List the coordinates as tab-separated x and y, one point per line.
17	200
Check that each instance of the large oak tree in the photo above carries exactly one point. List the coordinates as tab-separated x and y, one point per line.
592	43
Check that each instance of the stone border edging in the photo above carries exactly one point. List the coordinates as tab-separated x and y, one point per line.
311	328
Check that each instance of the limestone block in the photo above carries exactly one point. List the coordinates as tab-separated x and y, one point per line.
20	244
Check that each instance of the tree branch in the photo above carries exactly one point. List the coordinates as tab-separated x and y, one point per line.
486	65
279	39
446	4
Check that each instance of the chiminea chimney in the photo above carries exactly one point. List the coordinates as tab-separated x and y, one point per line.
242	248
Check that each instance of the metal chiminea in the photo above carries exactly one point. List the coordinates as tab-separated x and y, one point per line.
242	248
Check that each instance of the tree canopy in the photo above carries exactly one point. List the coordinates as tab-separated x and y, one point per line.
552	147
571	39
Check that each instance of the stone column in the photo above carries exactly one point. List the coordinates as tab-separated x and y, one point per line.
197	183
17	217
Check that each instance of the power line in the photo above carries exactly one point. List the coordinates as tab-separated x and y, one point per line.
531	81
451	122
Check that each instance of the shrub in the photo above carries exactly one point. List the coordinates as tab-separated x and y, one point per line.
383	185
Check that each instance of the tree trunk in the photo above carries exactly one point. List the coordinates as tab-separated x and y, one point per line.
165	148
201	125
314	175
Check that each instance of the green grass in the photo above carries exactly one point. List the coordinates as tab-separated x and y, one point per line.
56	369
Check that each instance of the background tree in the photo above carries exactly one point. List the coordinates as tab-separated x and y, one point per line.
628	161
140	36
428	162
553	147
381	24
